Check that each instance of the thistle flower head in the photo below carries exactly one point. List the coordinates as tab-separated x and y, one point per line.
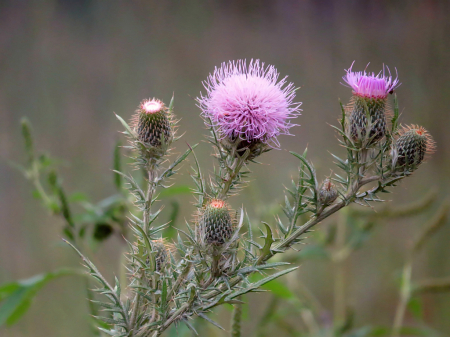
248	101
413	145
369	85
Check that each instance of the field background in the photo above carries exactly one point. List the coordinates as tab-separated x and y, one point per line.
68	65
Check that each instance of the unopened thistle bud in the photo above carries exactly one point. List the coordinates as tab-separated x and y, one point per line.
153	127
162	254
327	193
215	223
369	99
412	146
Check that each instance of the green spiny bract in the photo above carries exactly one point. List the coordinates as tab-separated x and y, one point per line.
358	121
327	193
256	147
154	129
412	146
215	223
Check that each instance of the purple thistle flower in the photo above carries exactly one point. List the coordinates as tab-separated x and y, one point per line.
248	102
370	85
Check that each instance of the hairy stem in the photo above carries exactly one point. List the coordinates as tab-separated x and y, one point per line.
231	176
236	321
339	283
146	217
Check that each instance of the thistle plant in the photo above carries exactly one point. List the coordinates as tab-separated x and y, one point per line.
246	107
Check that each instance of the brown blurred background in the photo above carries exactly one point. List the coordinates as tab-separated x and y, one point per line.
68	65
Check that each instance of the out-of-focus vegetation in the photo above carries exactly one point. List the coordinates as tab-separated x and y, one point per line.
67	65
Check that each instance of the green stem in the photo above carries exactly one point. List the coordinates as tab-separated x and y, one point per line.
236	321
405	294
146	217
340	282
267	317
40	188
231	176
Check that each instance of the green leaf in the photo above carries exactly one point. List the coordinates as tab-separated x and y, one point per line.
117	166
278	288
394	120
16	297
205	317
65	207
265	251
78	197
175	190
313	252
260	283
129	132
149	248
134	189
26	132
171	103
170	170
415	307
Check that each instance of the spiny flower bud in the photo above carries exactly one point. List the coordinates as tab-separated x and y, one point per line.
358	119
412	146
162	254
369	99
215	223
153	123
327	193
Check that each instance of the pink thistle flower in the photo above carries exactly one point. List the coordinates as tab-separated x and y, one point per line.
370	85
151	106
248	101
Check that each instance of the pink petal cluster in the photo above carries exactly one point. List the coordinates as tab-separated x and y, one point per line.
248	101
370	85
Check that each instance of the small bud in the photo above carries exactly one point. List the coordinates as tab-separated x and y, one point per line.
215	223
162	254
154	129
327	193
412	146
153	123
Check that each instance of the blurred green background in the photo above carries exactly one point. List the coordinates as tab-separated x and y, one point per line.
68	65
